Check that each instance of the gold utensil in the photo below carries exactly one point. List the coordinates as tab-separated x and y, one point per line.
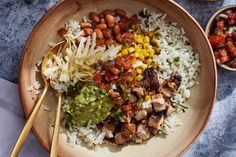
55	136
35	111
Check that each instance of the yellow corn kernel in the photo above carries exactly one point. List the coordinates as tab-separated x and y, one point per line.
139	77
146	54
125	52
152	54
145	45
139	46
149	47
147	97
131	49
133	26
133	44
141	56
139	39
149	61
154	40
150	34
146	39
139	71
138	31
136	55
139	51
119	54
153	64
151	51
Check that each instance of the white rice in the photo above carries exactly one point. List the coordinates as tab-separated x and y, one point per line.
90	136
169	124
176	58
34	87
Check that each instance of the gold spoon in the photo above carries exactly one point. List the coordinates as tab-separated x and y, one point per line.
35	111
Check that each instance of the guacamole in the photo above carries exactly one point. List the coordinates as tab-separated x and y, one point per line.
90	106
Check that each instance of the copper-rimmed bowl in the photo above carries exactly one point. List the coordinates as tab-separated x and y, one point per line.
211	25
200	103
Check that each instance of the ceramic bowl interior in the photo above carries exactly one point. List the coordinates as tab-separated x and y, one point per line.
200	103
211	25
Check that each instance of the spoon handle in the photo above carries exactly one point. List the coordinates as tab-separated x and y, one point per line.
55	136
28	125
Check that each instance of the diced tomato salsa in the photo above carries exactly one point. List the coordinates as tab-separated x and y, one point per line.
223	38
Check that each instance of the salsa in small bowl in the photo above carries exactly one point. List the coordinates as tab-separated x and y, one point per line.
221	32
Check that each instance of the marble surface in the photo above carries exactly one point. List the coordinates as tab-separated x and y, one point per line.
218	139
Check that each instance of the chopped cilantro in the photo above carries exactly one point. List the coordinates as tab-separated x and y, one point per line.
118	113
176	59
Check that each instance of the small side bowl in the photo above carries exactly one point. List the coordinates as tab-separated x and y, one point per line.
209	28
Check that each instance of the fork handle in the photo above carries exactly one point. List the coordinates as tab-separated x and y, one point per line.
55	136
28	125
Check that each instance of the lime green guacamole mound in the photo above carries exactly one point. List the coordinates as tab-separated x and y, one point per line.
91	106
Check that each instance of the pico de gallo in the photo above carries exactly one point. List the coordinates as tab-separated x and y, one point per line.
223	38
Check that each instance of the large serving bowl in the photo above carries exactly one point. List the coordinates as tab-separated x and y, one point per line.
201	101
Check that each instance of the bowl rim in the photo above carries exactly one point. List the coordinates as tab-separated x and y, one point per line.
60	2
208	29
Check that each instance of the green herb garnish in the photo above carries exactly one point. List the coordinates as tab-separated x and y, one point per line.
176	59
118	113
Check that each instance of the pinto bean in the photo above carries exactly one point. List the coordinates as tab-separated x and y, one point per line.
120	12
101	26
86	25
94	17
100	42
108	11
62	31
88	31
119	38
110	42
110	20
102	21
101	15
107	33
99	34
117	29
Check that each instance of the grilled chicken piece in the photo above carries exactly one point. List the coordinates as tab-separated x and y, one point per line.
138	140
155	121
158	107
128	130
174	82
120	139
158	102
139	91
109	129
144	121
153	130
169	109
147	106
166	93
140	115
143	132
158	98
150	81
